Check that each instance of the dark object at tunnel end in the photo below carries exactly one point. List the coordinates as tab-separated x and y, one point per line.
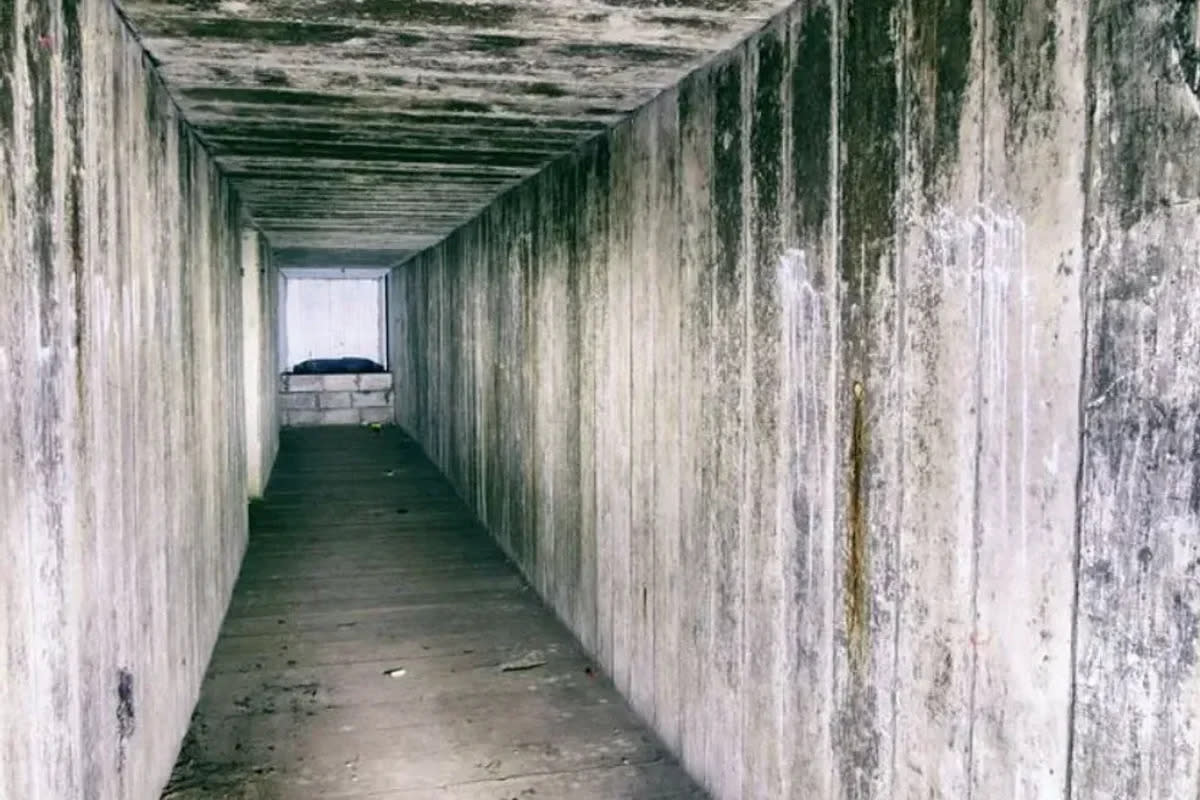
337	366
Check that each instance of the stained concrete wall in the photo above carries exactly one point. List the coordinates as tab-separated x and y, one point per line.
844	401
122	464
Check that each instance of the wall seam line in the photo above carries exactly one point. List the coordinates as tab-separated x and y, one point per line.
1089	139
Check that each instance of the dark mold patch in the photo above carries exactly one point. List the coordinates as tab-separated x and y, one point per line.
1186	24
705	24
942	46
633	53
126	719
766	172
1137	139
267	97
388	153
857	582
503	139
415	174
8	49
1026	40
1187	630
705	5
271	77
357	120
727	174
766	148
400	140
469	106
73	75
344	80
545	89
869	123
812	120
602	111
499	43
272	32
468	15
40	70
196	6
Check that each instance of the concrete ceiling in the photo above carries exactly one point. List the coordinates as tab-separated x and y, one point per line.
382	125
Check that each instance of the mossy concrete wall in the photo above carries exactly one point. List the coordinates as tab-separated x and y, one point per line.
123	473
844	400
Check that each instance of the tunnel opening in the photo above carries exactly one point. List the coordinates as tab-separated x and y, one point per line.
575	399
334	341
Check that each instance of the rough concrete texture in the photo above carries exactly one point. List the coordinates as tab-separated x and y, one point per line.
844	400
386	124
122	468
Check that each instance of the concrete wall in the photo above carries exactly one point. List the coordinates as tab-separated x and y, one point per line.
844	402
260	359
122	465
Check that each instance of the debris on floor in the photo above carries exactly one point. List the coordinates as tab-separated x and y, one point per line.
530	660
398	672
195	778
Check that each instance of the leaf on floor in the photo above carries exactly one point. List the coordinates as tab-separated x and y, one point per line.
530	660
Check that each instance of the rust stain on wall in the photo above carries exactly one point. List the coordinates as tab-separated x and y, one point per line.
857	599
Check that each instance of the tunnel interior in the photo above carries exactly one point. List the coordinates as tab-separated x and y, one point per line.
774	400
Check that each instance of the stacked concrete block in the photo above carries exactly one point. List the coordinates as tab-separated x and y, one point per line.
336	399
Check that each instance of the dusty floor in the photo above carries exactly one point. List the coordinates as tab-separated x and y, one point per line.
380	645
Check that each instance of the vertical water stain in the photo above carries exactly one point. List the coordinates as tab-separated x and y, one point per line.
857	596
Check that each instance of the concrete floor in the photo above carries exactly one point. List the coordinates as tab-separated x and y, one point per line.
363	562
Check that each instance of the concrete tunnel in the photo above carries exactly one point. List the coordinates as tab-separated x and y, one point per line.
779	400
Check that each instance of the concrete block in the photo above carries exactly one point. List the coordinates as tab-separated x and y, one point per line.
297	400
374	382
339	383
371	399
339	416
302	383
333	399
383	415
